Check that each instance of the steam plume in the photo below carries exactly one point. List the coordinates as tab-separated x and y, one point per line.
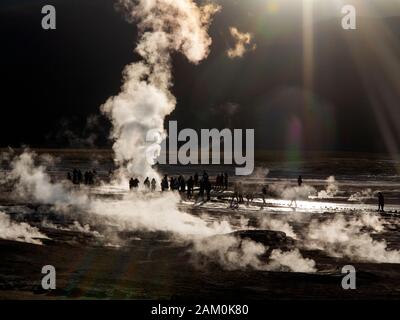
22	232
343	237
243	43
164	26
331	190
232	253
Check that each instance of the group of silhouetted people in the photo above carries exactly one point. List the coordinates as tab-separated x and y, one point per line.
182	185
88	178
174	184
149	185
187	186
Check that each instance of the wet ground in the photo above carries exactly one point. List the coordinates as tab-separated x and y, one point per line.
158	265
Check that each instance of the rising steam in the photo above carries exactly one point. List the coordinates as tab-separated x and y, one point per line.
243	43
22	232
232	254
143	212
331	190
165	26
341	237
134	211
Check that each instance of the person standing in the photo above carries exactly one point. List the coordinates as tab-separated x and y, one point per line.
201	189
172	183
153	185
381	202
135	183
80	176
182	184
164	184
190	185
205	176
264	196
208	189
300	181
147	183
226	180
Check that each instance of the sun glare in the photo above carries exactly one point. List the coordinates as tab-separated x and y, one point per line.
272	6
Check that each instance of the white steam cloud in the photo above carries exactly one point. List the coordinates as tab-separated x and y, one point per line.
288	192
135	211
243	43
362	195
165	26
233	253
22	232
341	237
331	190
145	212
278	225
31	182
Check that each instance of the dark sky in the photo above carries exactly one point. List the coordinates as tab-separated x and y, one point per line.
53	81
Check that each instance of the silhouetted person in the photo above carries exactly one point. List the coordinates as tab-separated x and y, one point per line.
172	183
381	202
80	176
264	195
235	197
164	184
201	189
89	178
218	183
135	183
196	179
300	181
249	197
93	177
86	176
190	185
69	176
147	183
75	178
153	185
182	184
205	176
207	185
226	180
